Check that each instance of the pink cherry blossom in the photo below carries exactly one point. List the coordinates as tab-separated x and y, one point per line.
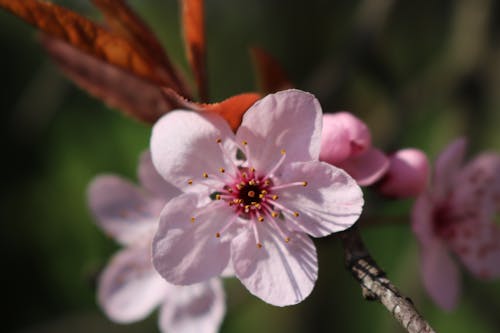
456	216
407	175
130	288
346	143
251	198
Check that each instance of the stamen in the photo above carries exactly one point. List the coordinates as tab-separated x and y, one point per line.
246	151
256	235
282	186
275	197
222	170
278	228
224	229
217	235
190	181
205	175
278	164
193	219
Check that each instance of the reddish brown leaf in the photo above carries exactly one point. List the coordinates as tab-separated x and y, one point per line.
124	21
139	98
83	34
194	35
231	109
271	75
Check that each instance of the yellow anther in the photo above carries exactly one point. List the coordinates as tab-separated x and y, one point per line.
217	235
239	186
244	142
193	219
190	181
263	192
260	218
252	169
222	170
247	208
274	214
304	183
205	175
217	197
283	151
275	197
251	194
296	214
219	140
259	245
287	239
267	182
244	175
252	182
261	196
257	205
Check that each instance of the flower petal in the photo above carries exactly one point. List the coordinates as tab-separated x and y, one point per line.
279	273
184	146
331	201
197	308
367	167
186	252
478	247
408	174
335	140
447	166
440	275
122	210
422	219
151	180
129	288
290	120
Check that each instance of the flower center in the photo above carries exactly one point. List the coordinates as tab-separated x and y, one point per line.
254	197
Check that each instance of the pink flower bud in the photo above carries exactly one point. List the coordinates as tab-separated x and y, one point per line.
407	175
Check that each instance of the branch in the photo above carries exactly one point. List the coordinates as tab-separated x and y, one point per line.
376	286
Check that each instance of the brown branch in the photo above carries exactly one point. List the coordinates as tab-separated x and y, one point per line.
376	286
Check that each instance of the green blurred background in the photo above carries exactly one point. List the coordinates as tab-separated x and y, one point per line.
420	73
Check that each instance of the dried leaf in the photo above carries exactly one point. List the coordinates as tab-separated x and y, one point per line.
140	99
124	21
83	34
272	77
194	36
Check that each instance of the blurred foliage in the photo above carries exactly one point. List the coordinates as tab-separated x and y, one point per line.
420	73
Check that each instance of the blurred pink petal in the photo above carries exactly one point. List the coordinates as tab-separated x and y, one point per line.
447	166
335	140
366	168
359	134
408	174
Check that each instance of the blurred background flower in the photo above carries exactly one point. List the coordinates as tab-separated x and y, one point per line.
418	73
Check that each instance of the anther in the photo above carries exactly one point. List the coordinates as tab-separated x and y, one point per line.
244	175
193	219
287	239
205	175
222	170
283	151
259	245
296	214
252	169
190	181
304	183
267	182
260	218
244	142
217	197
219	140
252	182
275	197
274	214
217	235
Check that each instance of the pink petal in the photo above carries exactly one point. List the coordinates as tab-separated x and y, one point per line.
129	288
477	245
367	167
335	140
408	174
186	252
289	120
422	219
152	181
279	273
122	210
184	146
359	134
197	308
447	166
440	275
331	201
